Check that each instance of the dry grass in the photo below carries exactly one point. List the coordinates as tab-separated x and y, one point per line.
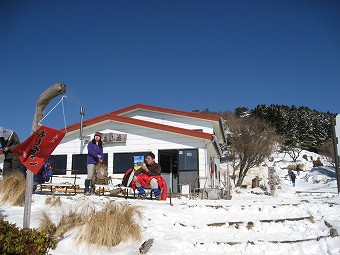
12	189
293	166
70	221
53	201
47	224
115	223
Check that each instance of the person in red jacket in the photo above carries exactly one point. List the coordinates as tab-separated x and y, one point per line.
148	176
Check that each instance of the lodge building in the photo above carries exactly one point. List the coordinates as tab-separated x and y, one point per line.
187	145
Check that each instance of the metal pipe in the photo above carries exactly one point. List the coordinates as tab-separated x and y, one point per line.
336	155
82	114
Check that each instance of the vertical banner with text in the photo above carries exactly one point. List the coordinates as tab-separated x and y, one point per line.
36	149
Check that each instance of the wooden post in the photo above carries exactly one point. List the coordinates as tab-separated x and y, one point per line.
43	100
170	195
145	246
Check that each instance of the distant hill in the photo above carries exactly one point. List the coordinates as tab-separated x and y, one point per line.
301	127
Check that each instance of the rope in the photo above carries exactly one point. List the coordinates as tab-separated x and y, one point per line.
61	101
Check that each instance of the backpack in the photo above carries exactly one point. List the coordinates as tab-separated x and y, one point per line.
127	178
101	175
101	171
47	172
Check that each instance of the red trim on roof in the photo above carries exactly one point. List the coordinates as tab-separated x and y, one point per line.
142	123
165	110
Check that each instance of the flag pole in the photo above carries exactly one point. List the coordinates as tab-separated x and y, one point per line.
43	100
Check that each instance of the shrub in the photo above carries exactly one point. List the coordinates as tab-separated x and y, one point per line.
305	157
293	166
317	162
14	240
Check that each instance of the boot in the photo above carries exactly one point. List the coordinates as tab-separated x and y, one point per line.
141	193
157	193
87	187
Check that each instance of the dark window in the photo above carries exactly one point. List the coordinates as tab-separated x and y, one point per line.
124	161
79	162
188	160
166	162
58	163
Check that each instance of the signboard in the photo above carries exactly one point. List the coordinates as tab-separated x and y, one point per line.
36	149
108	138
114	138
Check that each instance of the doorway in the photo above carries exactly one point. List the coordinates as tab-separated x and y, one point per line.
179	167
168	159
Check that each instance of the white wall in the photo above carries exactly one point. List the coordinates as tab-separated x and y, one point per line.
138	139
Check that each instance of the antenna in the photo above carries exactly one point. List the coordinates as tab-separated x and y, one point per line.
82	114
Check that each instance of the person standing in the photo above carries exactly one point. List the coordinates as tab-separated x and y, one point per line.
9	140
292	177
95	156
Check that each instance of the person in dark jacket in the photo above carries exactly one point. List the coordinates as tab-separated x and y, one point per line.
292	178
147	175
95	156
9	140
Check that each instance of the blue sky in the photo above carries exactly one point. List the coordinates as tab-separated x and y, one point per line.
184	55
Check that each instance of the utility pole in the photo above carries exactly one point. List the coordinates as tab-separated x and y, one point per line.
335	120
82	114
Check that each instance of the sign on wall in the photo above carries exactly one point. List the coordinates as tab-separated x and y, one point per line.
108	138
113	138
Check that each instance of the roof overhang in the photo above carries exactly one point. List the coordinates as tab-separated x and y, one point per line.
141	123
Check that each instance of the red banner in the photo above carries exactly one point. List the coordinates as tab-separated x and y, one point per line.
36	149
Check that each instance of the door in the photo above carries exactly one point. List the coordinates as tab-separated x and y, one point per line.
179	167
169	164
188	167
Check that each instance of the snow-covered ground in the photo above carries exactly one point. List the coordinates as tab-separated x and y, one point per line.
297	220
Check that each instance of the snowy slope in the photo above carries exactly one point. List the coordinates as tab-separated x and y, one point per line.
294	221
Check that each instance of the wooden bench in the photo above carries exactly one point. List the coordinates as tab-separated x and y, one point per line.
53	185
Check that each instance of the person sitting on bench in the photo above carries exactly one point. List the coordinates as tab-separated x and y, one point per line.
147	177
